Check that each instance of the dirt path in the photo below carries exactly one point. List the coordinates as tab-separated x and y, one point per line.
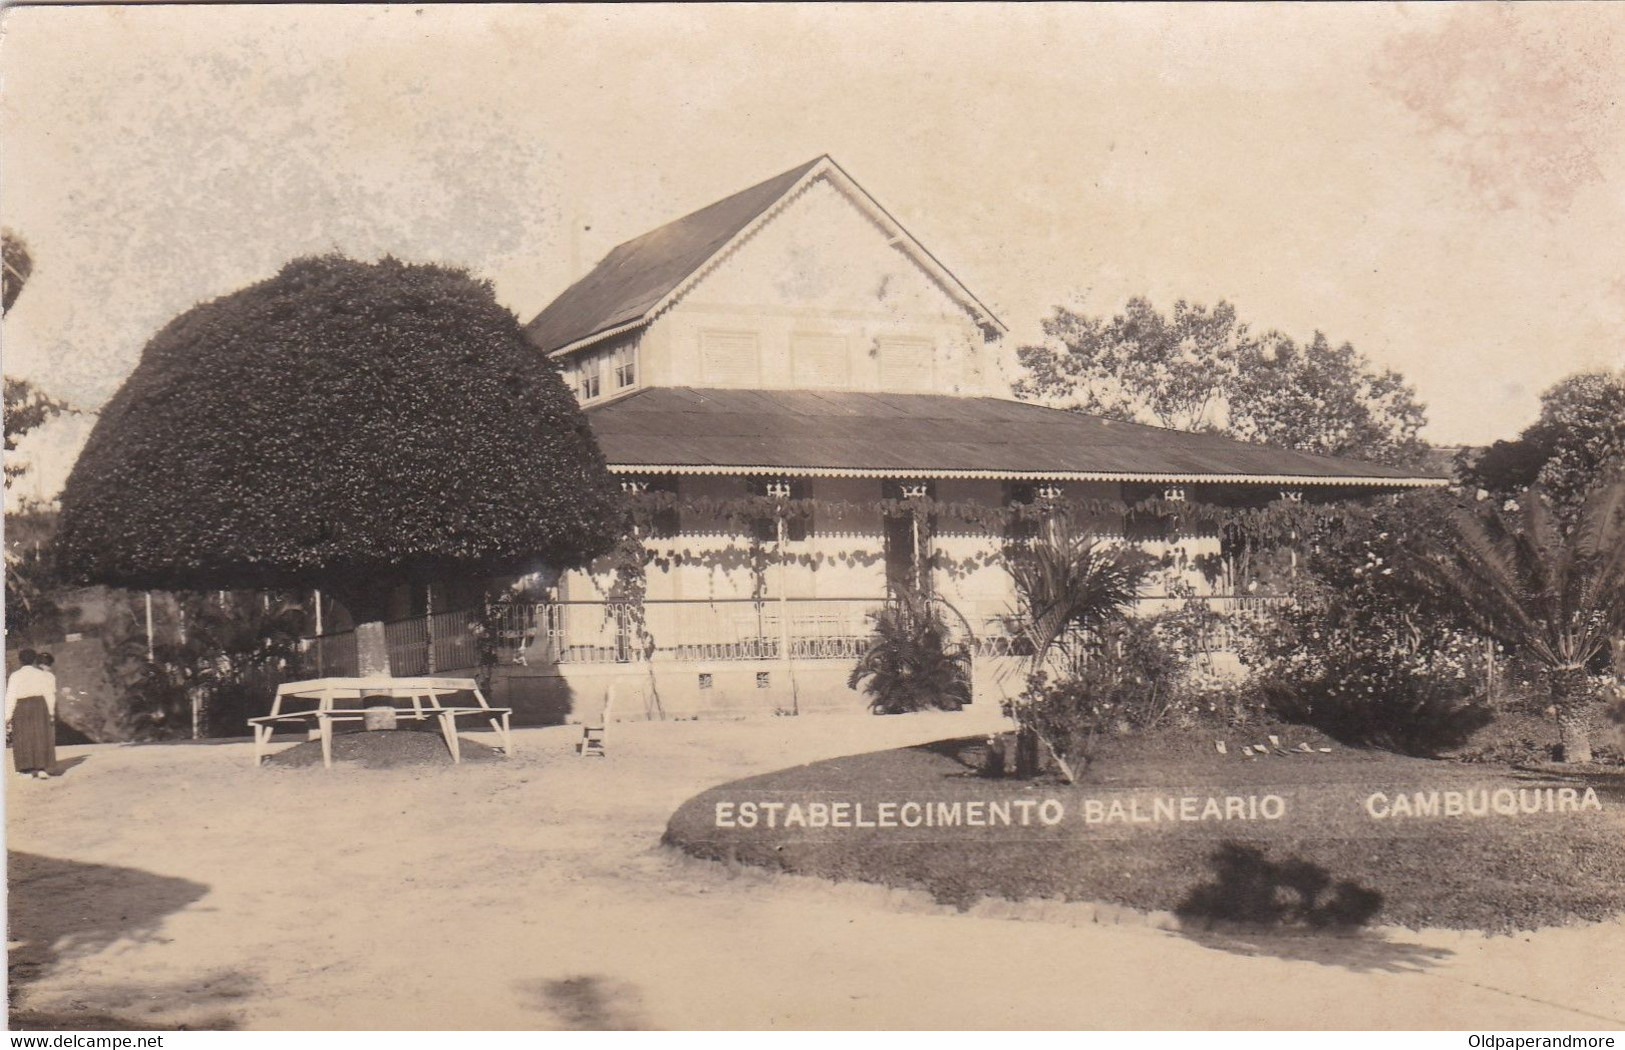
176	885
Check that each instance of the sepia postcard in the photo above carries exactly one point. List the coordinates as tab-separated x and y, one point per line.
805	517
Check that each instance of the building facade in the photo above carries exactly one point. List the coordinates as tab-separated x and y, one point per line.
809	404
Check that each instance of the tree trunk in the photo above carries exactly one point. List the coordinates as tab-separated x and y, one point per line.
1571	691
372	660
1026	752
1574	733
993	757
367	606
371	650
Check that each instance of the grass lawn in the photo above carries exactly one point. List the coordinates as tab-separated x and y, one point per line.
1164	823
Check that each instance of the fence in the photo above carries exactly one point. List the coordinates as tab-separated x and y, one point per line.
741	629
711	630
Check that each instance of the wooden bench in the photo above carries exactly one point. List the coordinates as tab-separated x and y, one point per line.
414	698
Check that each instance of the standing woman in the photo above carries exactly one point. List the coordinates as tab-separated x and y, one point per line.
31	715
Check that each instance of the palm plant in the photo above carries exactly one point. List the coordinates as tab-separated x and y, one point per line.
912	664
1067	584
1556	596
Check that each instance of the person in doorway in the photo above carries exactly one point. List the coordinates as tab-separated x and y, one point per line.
31	715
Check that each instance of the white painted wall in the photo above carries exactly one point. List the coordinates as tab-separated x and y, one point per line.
819	275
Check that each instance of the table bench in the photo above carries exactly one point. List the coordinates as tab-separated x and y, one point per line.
414	698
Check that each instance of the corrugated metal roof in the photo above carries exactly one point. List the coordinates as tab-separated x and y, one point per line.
841	433
636	275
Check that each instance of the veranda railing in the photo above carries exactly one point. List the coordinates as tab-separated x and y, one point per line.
695	630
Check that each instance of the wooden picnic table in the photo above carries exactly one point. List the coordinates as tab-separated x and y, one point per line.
414	698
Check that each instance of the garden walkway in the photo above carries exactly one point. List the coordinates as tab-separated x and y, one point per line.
175	884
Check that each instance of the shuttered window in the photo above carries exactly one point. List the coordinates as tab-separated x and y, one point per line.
819	361
730	358
905	364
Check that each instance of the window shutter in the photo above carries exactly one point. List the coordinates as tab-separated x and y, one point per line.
730	358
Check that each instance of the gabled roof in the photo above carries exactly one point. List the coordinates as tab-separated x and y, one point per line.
631	284
685	430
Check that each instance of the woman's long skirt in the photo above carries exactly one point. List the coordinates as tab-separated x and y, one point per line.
33	738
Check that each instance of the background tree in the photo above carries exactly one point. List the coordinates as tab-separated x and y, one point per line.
1324	399
1138	365
222	655
355	426
1580	434
32	585
1204	369
18	265
26	407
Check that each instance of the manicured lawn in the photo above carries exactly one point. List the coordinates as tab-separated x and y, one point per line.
1164	823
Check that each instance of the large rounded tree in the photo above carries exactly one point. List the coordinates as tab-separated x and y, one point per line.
344	425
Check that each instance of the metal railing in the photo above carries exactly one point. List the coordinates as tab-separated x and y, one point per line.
332	656
705	630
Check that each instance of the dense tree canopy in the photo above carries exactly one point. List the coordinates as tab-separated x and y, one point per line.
343	424
1204	369
1580	433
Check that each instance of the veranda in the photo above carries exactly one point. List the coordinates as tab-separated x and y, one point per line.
758	637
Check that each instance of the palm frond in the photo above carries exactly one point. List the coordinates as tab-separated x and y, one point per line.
1068	582
1519	579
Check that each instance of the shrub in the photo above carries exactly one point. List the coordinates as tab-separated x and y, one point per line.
236	649
912	664
1126	675
1365	652
1369	674
1071	588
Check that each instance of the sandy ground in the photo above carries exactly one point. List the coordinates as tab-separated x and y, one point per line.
178	885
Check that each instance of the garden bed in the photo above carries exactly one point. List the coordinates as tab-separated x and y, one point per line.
1354	842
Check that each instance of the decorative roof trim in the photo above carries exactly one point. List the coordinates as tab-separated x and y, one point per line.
1033	475
598	337
922	255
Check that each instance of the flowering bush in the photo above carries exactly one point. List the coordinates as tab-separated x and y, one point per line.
1363	653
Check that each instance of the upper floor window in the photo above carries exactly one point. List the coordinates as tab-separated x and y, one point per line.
730	358
590	377
906	363
624	367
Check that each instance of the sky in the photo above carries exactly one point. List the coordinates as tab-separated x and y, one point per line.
1443	186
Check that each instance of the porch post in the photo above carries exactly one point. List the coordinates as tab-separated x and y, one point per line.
428	627
780	490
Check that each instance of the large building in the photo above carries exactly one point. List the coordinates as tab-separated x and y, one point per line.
795	341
